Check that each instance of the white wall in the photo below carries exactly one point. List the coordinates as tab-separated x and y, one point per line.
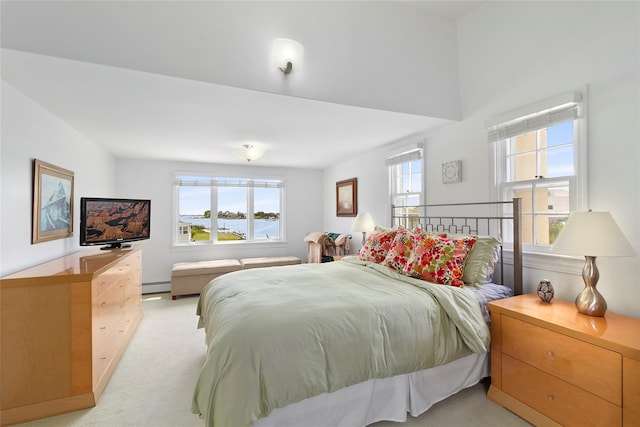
515	53
30	132
153	180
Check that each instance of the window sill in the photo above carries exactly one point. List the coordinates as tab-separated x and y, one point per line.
209	244
549	262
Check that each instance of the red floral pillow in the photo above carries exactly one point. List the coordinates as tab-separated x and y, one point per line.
438	259
400	250
377	245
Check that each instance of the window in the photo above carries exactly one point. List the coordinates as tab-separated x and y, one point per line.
538	158
227	209
405	172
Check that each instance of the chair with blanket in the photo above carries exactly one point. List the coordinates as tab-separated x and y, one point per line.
322	246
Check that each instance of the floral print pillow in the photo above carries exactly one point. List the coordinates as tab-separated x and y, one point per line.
400	250
438	259
377	245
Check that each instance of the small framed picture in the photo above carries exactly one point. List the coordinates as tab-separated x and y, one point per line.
52	202
347	197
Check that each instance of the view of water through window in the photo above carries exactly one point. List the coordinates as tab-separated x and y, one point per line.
263	228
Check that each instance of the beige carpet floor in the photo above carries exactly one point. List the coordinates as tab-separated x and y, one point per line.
153	383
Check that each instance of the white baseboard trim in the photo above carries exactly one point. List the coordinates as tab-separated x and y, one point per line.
153	288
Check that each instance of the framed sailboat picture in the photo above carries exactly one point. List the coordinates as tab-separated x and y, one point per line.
52	202
347	197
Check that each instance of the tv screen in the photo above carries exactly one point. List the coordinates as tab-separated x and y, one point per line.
114	222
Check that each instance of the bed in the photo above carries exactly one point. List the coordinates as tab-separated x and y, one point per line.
364	339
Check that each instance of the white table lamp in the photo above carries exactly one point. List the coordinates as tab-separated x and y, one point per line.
592	234
364	223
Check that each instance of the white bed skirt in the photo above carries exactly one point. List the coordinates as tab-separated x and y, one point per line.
387	399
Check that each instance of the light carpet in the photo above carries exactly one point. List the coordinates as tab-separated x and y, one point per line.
153	383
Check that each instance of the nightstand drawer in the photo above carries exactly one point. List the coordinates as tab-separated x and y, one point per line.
563	402
631	392
579	363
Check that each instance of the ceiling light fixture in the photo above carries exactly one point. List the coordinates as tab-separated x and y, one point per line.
251	152
287	52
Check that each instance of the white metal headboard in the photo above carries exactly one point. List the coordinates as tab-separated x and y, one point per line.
499	219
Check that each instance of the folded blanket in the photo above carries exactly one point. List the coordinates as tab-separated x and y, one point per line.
334	236
319	245
314	236
342	240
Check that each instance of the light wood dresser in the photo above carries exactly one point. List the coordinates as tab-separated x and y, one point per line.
64	326
554	366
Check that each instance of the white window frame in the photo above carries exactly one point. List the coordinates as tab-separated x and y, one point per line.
526	119
401	157
242	182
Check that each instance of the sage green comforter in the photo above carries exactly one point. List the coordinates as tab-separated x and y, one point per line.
278	335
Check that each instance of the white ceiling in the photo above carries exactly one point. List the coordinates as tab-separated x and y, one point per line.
447	8
142	114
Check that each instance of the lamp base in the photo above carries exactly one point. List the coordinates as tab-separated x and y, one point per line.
589	301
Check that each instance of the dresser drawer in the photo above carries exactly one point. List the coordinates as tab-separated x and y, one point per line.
631	392
103	351
579	363
105	280
110	303
557	399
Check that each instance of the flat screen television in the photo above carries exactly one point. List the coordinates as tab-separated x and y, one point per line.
114	222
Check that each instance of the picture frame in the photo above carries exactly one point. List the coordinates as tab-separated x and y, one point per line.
52	216
347	197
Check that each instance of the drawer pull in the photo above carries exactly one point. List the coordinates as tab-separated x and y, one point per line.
103	303
550	397
103	358
550	353
103	327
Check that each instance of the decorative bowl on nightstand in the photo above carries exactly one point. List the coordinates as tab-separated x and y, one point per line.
545	290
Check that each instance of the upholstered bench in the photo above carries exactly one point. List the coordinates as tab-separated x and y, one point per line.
272	261
188	278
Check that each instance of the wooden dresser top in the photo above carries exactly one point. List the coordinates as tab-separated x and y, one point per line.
79	266
613	331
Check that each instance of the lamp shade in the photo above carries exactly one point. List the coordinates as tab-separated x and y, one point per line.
592	234
364	222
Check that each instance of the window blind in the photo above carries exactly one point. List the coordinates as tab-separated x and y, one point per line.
534	117
407	156
208	181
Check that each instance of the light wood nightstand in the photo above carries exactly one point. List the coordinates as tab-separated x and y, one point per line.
554	366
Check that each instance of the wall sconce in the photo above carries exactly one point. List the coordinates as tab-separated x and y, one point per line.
286	53
364	223
591	234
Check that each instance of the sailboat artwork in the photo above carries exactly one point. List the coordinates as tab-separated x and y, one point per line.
52	202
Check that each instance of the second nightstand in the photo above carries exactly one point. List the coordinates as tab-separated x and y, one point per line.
554	366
